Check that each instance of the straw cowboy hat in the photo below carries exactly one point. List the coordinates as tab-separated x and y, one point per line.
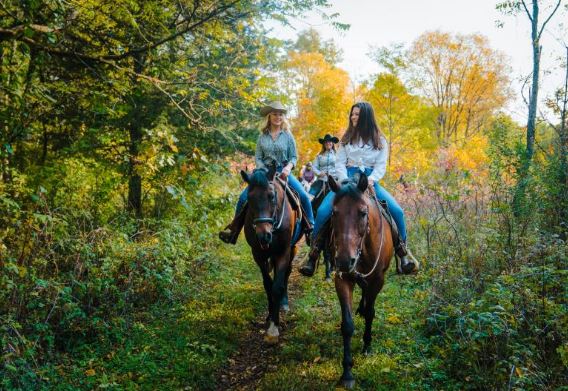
329	137
273	106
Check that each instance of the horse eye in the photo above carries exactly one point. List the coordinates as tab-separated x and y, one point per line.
362	213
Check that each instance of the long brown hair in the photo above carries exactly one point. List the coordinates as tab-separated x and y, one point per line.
323	148
366	129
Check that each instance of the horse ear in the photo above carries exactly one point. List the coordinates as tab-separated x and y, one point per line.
332	184
363	182
245	176
271	172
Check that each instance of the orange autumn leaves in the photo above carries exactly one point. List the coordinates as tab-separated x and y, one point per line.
439	102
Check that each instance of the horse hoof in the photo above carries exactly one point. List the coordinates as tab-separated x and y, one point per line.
348	384
271	339
366	350
285	307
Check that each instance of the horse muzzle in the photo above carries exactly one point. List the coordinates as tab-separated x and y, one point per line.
345	264
264	239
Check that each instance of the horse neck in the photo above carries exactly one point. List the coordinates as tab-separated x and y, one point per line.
289	217
375	233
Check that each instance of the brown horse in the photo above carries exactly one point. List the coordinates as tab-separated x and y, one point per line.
363	249
269	228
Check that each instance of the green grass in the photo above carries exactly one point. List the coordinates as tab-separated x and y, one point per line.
173	348
311	352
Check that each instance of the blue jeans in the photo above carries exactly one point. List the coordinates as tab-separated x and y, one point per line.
294	184
325	209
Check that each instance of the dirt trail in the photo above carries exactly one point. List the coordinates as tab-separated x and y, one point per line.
254	357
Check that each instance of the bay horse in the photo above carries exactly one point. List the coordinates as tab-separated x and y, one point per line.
327	256
363	249
270	224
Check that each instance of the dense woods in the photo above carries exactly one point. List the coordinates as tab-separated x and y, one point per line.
123	125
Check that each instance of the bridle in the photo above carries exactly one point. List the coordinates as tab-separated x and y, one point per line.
352	270
272	220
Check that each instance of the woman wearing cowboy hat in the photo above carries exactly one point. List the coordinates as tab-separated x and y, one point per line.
363	149
275	146
324	163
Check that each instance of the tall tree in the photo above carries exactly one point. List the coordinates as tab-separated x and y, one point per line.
137	61
537	28
462	77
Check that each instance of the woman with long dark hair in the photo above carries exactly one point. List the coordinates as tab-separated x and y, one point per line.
363	148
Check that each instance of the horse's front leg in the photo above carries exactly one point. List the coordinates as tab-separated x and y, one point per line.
281	264
284	306
262	262
368	311
344	289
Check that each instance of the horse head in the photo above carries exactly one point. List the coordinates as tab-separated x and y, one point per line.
263	201
350	221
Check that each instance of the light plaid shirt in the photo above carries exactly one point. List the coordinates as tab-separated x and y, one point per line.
281	150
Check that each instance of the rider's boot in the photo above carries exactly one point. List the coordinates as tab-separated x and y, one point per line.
406	263
232	231
309	267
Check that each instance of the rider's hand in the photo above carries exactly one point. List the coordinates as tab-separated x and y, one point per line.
285	172
322	175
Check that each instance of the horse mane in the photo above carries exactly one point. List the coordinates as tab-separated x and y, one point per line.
350	190
259	178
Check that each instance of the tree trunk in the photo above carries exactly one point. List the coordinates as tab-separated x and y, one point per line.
533	100
523	177
135	133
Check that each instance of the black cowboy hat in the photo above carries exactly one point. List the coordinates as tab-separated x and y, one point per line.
329	137
272	106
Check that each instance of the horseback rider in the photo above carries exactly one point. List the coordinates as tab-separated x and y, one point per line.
275	146
324	163
363	148
308	176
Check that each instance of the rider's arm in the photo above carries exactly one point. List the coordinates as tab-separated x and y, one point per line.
292	155
380	166
315	165
259	155
340	163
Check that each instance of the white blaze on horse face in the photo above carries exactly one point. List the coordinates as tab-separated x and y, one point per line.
273	330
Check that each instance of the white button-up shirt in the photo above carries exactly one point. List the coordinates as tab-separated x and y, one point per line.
362	156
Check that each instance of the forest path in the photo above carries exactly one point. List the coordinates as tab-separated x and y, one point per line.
254	357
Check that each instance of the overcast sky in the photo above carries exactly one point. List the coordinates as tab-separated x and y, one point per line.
382	22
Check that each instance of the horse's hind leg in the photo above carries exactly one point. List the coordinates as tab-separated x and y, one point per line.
328	266
344	291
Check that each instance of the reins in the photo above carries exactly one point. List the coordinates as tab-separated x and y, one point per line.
271	220
352	270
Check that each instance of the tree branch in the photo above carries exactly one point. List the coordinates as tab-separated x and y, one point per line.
527	10
549	17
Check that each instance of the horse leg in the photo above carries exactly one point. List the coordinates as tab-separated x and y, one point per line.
327	261
278	289
262	262
368	311
344	291
284	303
